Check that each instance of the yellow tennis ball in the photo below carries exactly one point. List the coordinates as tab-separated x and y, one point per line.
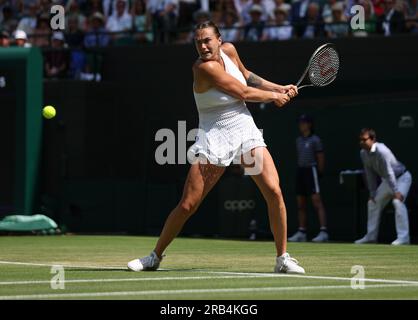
49	112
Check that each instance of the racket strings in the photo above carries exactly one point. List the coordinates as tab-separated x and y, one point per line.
324	67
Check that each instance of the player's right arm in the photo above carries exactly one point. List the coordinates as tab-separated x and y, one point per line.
212	73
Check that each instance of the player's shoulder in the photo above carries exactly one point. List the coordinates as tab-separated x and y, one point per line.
229	49
201	65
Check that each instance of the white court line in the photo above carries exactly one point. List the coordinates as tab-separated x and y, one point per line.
185	291
229	273
4	283
58	264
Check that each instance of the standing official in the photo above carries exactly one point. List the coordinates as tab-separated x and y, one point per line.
379	161
311	162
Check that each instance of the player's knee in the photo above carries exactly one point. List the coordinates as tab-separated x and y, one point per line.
275	193
187	208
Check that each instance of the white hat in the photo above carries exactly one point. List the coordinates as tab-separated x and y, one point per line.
20	34
256	8
58	36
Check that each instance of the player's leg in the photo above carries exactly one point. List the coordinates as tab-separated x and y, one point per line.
374	211
268	183
401	212
200	180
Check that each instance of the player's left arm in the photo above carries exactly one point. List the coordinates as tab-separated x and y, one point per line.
254	80
320	160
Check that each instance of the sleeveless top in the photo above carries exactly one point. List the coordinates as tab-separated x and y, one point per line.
226	127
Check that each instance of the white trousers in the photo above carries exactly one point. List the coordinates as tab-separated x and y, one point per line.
383	195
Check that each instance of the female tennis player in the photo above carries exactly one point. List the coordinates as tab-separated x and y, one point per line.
227	132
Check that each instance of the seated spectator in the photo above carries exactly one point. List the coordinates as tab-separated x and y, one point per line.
298	15
56	60
186	36
74	36
72	9
96	35
93	6
327	10
119	22
412	16
283	5
9	22
265	9
28	22
392	21
4	39
164	16
231	27
185	17
45	6
279	28
312	25
338	26
21	39
42	32
253	31
369	20
141	22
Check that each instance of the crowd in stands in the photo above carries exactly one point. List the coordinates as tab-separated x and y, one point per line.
99	23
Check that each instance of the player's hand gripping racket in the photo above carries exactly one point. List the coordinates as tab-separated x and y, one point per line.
322	68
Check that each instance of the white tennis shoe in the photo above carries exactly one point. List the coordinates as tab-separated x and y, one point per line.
399	242
148	263
321	237
299	236
364	240
286	264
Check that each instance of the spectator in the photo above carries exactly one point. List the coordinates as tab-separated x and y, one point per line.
164	16
253	31
282	4
312	25
74	36
266	7
96	35
327	10
298	15
72	9
42	33
370	20
56	60
28	22
4	39
141	22
392	21
311	162
93	6
21	39
412	13
45	6
9	22
379	162
231	27
186	10
119	20
338	26
109	7
280	28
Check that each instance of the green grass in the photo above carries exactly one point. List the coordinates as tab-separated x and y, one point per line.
85	258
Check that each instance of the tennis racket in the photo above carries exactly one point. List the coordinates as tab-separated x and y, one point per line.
322	68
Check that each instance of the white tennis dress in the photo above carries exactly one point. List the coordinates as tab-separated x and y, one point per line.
226	127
